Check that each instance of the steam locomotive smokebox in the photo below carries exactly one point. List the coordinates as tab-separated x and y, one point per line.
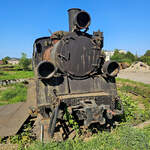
76	55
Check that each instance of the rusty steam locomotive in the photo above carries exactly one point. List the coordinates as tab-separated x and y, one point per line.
71	72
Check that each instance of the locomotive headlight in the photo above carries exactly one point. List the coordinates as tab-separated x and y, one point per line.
46	70
111	68
82	20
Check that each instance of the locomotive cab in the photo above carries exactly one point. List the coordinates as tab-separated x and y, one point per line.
71	73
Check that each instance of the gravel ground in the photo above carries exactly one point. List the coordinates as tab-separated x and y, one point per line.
135	76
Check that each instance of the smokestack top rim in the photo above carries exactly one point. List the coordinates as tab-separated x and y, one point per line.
78	23
74	9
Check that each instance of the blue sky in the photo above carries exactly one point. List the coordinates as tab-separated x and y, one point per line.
125	23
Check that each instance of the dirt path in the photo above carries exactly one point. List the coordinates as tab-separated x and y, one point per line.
136	76
143	124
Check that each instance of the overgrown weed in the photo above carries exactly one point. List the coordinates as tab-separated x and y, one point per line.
132	113
13	94
122	138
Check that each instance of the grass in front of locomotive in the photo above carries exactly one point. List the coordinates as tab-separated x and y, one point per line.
121	138
135	98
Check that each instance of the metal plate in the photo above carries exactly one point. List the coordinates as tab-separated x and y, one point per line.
77	55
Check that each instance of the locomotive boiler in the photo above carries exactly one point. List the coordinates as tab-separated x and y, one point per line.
71	72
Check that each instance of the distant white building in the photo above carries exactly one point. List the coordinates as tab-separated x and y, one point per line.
108	54
111	53
122	51
13	61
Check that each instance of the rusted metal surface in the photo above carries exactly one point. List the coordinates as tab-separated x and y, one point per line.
82	95
12	116
111	68
76	55
46	55
77	76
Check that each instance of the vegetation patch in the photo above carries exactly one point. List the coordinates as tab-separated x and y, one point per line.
71	121
23	138
10	75
124	137
132	94
133	86
130	58
13	94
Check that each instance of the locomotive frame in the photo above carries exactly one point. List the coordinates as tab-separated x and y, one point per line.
71	72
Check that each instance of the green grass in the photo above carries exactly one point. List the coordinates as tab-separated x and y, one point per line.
137	87
133	113
125	136
132	82
121	138
6	65
9	75
13	94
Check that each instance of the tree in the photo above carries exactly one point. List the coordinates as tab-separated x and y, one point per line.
118	56
123	57
130	56
145	59
24	62
5	60
147	53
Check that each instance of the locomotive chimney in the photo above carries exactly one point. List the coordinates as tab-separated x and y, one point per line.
78	19
71	13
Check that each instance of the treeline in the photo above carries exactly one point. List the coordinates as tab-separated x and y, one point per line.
130	58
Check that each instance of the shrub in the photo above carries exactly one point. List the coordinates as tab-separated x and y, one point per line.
24	62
